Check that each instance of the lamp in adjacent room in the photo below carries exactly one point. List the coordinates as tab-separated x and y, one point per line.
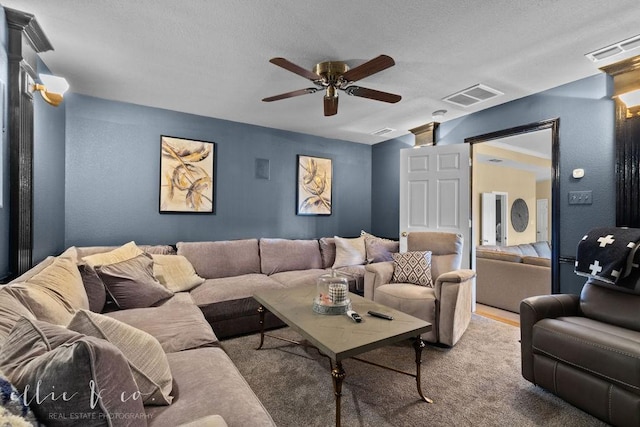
52	88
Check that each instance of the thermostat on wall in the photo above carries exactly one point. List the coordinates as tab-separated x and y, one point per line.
578	173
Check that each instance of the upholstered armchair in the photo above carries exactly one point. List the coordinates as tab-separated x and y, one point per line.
446	305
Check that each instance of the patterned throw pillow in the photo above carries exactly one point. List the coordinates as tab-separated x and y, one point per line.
412	267
13	410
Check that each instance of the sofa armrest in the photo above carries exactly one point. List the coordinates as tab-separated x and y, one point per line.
376	274
454	292
534	309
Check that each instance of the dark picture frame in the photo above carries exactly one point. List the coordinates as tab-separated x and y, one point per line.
187	175
314	185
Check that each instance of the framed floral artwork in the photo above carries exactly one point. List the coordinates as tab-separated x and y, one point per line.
315	178
187	175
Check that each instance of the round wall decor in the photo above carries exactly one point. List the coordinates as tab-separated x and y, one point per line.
519	215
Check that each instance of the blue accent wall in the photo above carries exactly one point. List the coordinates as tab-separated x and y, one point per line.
587	140
112	178
4	150
48	176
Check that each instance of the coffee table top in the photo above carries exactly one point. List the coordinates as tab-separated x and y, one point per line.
338	336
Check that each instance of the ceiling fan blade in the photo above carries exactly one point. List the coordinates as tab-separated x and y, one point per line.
290	94
290	66
373	66
377	95
330	105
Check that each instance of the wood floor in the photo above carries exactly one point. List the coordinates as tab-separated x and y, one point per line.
504	316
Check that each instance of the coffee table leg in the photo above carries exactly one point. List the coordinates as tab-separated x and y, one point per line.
261	311
338	375
418	345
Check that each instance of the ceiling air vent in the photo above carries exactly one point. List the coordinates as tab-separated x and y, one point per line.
614	49
472	95
382	131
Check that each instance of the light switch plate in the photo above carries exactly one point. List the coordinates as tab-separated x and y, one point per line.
580	197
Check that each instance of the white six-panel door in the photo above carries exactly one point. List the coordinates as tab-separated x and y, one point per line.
434	192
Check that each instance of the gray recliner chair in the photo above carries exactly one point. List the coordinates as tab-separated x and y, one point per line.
447	306
586	348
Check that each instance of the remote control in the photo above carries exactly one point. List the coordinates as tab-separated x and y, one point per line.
354	316
380	315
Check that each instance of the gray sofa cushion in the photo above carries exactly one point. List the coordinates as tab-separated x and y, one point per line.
231	297
294	279
603	349
206	382
178	324
229	258
328	251
51	358
278	255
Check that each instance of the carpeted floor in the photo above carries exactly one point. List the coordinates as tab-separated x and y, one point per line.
476	383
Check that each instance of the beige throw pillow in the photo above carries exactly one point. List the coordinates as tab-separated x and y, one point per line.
175	272
412	267
349	252
144	353
54	294
123	253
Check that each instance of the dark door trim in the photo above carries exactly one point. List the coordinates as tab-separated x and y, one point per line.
554	125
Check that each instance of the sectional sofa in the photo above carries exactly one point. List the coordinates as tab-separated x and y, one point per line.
130	335
508	274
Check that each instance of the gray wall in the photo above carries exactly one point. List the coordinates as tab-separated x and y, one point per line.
112	178
587	141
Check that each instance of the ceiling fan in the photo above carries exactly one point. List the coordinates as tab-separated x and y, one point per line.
332	76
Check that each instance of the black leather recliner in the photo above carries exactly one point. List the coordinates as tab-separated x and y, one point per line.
586	349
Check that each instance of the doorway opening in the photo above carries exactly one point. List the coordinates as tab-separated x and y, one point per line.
515	183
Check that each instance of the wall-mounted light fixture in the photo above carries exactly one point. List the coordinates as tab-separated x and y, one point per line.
631	99
52	88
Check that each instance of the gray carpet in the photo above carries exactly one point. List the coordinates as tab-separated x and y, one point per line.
476	383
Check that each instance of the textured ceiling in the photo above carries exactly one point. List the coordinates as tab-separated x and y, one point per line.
211	57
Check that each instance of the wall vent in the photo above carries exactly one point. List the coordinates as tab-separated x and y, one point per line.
614	49
382	131
473	95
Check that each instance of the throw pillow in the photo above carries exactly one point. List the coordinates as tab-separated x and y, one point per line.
93	286
54	294
71	375
145	355
11	310
379	250
13	410
123	253
349	252
412	267
131	283
175	272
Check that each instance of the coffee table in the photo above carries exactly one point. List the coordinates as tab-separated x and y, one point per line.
337	336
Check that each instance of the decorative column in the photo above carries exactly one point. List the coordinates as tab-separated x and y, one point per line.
626	78
25	39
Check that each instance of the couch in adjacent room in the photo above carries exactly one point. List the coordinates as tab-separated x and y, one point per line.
508	274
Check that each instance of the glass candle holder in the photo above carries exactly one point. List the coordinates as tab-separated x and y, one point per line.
332	294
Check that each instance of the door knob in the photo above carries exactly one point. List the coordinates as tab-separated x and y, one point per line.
404	234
